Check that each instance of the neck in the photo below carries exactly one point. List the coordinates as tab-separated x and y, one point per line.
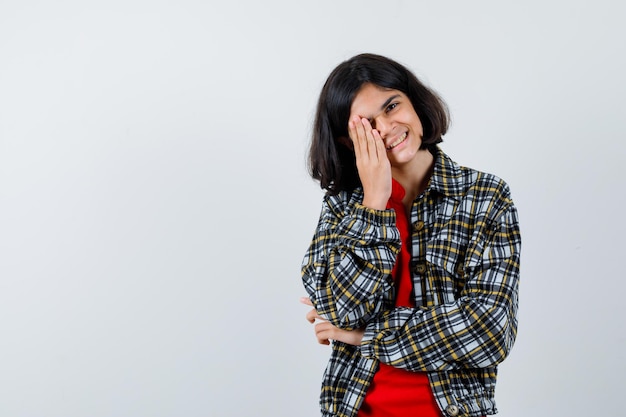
414	177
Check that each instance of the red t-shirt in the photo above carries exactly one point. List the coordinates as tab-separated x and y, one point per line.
395	392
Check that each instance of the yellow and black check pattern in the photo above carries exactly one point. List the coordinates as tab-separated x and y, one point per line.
465	259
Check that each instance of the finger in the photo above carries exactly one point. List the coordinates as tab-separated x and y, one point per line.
323	341
306	301
352	132
312	315
361	139
381	151
373	140
324	332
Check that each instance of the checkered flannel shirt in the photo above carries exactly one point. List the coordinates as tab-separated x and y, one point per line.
465	259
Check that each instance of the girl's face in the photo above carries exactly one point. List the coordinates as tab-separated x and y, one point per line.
391	113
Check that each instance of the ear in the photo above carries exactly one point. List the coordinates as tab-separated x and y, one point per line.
347	142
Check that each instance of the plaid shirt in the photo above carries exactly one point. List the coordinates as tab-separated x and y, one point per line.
465	260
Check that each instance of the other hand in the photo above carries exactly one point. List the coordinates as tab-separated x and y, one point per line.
325	331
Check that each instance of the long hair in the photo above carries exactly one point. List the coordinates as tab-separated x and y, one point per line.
332	163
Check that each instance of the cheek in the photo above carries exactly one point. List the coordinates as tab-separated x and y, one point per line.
419	129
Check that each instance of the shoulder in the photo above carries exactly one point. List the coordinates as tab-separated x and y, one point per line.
477	191
484	183
454	179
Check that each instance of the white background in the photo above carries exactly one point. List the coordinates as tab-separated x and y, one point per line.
155	206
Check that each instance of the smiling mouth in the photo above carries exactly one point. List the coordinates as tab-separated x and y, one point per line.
398	141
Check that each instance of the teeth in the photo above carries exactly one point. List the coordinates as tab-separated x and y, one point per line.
398	141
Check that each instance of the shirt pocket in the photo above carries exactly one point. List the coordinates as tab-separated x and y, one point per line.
449	262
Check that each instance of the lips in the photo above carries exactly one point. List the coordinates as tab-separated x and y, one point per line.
398	141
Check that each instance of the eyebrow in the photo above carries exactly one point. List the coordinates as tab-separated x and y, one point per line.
389	100
385	104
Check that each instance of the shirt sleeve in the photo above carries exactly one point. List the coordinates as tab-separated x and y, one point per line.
346	270
476	329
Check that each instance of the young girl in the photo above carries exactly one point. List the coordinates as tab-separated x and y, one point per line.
413	269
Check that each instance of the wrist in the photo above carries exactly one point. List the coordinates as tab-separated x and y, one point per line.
375	203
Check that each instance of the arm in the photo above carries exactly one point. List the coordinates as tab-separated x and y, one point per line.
476	329
346	270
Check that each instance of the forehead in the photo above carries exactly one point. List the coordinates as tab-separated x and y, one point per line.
371	100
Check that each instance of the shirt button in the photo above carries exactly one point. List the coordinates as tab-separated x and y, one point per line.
452	410
418	225
419	268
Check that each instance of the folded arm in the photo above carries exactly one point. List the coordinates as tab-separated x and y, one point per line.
347	269
476	330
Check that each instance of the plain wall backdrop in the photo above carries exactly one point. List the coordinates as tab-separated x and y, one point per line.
155	206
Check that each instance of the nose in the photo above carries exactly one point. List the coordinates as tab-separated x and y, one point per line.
383	126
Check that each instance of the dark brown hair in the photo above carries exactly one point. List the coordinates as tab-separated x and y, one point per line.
333	163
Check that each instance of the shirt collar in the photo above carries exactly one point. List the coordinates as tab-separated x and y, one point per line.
446	177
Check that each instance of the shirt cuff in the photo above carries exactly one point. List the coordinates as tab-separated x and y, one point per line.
375	217
368	343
